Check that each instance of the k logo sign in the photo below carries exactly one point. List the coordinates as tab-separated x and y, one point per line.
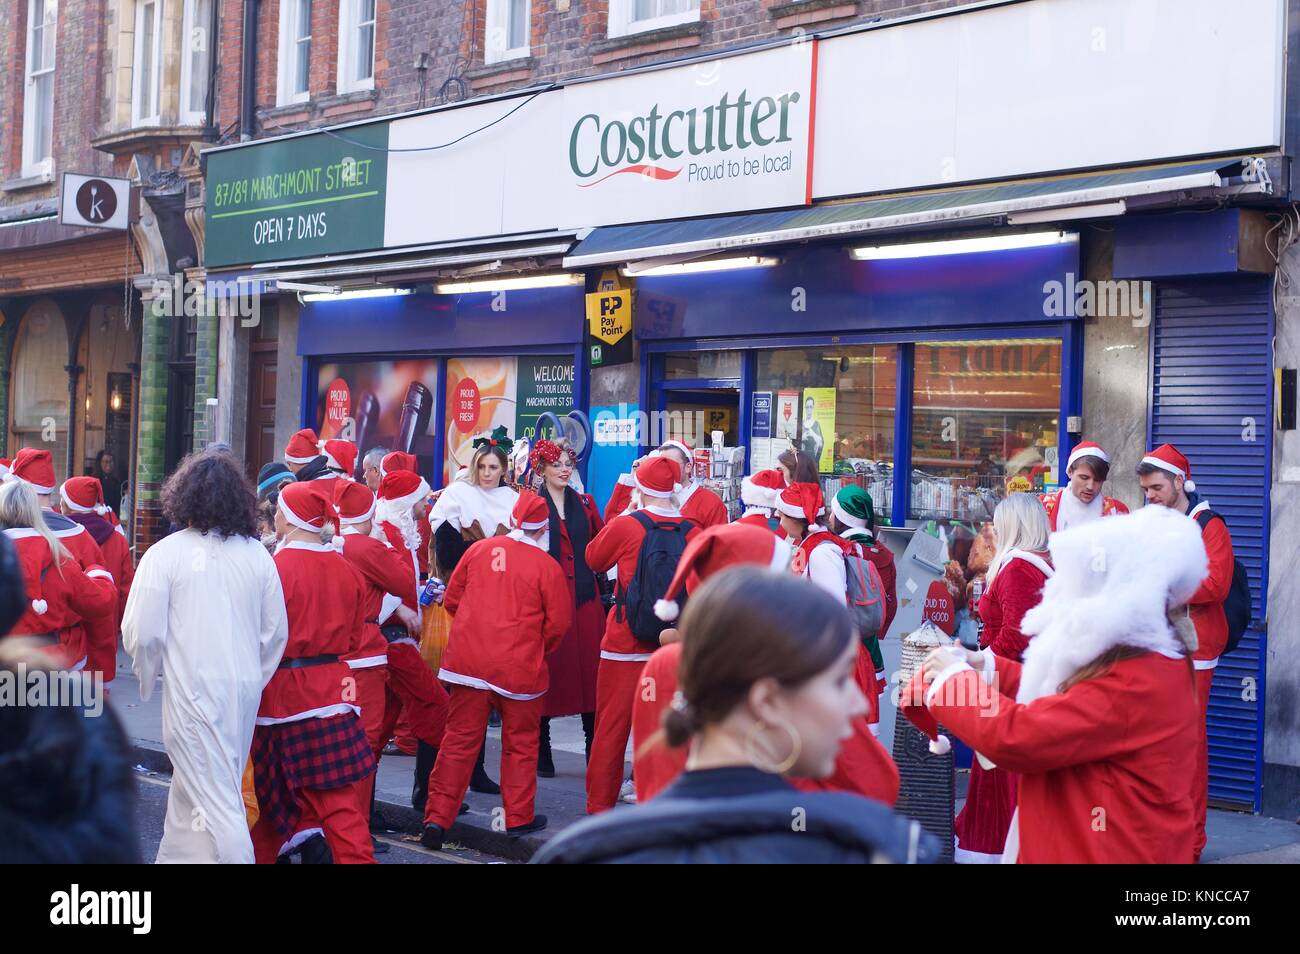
95	202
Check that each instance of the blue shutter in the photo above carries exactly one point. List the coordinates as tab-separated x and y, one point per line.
1211	376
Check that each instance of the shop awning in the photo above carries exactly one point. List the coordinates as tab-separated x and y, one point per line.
1058	199
395	266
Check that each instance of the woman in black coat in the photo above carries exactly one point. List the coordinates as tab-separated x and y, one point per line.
767	689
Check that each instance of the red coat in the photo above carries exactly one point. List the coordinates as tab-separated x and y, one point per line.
117	560
1206	604
1017	588
71	595
324	600
383	570
704	508
619	543
101	629
510	606
1103	767
411	595
1052	504
574	663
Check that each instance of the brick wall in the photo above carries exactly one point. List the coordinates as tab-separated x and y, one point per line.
566	41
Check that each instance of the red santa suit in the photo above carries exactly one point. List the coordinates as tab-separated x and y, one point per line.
310	755
1102	764
697	503
622	655
510	605
1065	510
758	492
83	503
411	686
59	598
1017	587
399	460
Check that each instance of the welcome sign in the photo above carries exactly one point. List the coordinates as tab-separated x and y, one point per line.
725	135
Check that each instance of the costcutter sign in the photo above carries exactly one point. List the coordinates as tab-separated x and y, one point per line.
721	136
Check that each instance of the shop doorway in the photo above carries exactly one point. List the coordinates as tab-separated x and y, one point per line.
692	416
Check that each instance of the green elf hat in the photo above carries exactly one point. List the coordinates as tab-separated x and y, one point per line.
853	507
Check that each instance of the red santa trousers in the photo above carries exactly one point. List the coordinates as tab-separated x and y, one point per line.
985	819
334	810
370	697
412	689
467	719
1201	779
617	683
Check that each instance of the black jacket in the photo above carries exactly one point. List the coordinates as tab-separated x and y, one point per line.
743	816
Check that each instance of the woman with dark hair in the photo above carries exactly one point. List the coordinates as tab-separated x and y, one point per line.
105	470
766	689
575	521
206	608
797	467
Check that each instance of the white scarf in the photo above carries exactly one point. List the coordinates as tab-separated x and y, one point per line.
461	503
1071	511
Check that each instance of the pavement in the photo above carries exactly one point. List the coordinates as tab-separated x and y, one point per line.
1234	837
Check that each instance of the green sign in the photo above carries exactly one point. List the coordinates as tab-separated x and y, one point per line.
543	384
294	198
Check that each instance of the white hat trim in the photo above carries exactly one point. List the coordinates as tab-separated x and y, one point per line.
294	519
1086	452
361	519
411	499
655	493
1165	466
846	517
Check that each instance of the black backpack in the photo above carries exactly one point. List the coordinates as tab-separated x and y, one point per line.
661	551
1236	605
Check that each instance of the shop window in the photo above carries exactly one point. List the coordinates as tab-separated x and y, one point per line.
507	30
701	365
837	405
148	62
40	384
356	45
985	420
196	61
294	75
38	102
637	16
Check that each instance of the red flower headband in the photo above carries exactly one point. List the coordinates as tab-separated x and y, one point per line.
545	452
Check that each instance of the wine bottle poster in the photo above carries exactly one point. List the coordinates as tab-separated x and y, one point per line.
481	395
386	404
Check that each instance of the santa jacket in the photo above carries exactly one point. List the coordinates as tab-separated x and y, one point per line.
116	553
1206	604
511	607
1103	766
324	599
60	599
101	628
383	570
1017	588
1052	504
620	544
393	534
699	504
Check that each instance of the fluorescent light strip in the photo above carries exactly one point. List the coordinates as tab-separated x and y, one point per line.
357	293
964	246
707	265
508	284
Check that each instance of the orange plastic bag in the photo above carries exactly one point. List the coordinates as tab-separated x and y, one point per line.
250	796
434	632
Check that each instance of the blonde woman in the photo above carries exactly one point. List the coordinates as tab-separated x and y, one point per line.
1013	586
60	594
476	504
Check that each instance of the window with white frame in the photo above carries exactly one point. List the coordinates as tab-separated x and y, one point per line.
38	101
356	45
507	30
148	62
637	16
294	77
196	61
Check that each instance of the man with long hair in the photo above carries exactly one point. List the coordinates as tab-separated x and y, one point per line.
206	608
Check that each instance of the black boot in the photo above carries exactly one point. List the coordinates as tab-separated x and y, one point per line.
479	781
378	846
545	764
537	824
425	756
432	837
588	730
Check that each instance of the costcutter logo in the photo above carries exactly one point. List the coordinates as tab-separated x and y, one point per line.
651	145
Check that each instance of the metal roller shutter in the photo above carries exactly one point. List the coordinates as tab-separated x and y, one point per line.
1211	392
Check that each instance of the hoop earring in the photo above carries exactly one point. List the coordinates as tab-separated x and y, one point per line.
796	746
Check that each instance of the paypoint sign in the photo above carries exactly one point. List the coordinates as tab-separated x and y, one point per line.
609	327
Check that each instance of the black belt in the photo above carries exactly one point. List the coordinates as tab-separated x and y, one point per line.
395	631
302	662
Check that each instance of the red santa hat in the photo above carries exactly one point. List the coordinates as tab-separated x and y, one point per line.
1171	460
396	461
83	495
35	467
403	488
803	501
658	476
340	455
303	447
678	446
530	512
353	502
306	506
715	549
1086	449
762	489
912	701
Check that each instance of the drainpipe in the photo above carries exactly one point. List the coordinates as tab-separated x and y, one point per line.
248	72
